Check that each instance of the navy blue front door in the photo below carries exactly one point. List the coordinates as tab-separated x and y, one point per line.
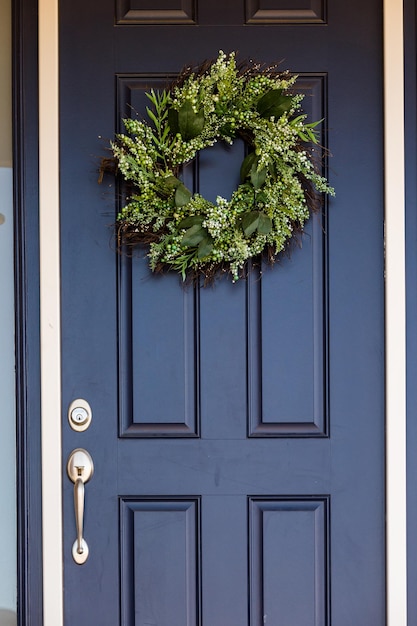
238	430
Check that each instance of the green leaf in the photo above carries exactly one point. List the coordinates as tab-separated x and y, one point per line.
249	167
256	221
182	263
165	186
227	131
250	222
257	177
153	97
264	224
173	121
302	135
190	123
193	236
314	124
205	247
191	220
247	164
261	197
172	182
299	118
152	116
272	169
182	195
313	135
274	103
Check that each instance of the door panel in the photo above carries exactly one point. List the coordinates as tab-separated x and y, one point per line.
238	430
160	558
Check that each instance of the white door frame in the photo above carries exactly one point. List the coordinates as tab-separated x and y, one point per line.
395	313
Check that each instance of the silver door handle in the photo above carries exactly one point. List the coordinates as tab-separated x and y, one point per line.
80	468
79	513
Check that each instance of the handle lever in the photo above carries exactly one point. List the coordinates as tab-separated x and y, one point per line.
80	468
79	512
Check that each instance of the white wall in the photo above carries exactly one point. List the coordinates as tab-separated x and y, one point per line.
7	406
5	85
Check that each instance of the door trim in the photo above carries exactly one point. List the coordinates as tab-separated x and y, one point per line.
50	322
395	303
410	40
26	255
50	313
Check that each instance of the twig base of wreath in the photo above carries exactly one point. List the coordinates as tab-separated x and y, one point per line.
133	243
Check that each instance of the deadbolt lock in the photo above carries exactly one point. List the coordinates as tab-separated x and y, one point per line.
79	415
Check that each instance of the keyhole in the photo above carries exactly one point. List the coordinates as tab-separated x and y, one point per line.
79	415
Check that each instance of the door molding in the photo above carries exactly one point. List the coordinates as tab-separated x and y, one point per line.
31	378
410	41
26	256
395	335
50	320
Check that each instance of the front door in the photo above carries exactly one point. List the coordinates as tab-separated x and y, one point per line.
237	431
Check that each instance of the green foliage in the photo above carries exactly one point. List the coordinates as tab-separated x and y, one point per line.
218	101
274	104
186	122
190	123
248	162
182	195
253	221
193	236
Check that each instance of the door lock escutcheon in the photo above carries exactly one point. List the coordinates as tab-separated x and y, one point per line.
79	415
80	468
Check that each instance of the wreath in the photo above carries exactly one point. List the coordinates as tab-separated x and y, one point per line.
280	180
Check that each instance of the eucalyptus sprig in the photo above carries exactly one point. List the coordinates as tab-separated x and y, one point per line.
159	116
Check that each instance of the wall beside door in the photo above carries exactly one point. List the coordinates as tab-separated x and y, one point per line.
7	409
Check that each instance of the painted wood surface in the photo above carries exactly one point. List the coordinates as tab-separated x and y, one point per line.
238	431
